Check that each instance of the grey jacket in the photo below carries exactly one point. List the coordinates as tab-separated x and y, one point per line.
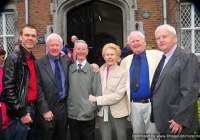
81	85
176	92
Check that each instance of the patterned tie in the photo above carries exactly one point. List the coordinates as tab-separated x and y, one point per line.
153	84
79	68
136	74
58	79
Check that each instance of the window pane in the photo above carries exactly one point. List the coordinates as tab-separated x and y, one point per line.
1	42
186	39
9	24
1	25
185	16
197	18
197	41
10	45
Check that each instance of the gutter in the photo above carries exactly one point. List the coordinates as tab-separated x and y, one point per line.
165	11
26	11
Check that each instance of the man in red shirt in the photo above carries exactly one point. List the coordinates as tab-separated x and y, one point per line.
20	87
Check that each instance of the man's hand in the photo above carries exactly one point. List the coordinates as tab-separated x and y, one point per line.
182	47
48	116
95	68
26	119
62	53
92	98
175	127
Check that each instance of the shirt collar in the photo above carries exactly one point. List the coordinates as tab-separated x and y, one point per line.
30	55
51	58
142	55
83	63
169	54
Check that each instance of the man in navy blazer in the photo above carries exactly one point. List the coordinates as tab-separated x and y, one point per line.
175	95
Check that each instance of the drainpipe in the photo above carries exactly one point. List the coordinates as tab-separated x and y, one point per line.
165	11
26	11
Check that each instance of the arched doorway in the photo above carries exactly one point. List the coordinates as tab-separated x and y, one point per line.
98	23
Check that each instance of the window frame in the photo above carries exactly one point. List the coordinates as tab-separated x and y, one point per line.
192	27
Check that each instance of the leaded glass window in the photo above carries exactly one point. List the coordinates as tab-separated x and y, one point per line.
190	27
7	39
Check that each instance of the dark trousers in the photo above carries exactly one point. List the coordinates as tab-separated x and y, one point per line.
82	130
4	134
19	131
57	128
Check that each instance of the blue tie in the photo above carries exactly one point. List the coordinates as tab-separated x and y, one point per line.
58	79
136	74
154	81
157	73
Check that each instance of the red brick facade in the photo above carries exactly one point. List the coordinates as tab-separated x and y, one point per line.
40	17
156	9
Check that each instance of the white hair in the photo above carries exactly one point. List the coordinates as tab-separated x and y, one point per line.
53	35
135	32
169	27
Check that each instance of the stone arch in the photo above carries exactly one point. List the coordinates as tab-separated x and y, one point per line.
60	8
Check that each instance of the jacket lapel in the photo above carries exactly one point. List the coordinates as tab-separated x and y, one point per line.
167	67
65	66
151	64
48	68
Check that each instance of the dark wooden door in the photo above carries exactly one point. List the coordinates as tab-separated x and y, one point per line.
97	23
80	22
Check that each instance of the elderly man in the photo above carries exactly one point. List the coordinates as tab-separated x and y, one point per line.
52	80
140	67
175	86
74	39
82	83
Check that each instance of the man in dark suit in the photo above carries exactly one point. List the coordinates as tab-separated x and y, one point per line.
175	94
51	102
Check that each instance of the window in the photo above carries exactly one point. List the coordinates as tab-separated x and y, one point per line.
7	31
190	27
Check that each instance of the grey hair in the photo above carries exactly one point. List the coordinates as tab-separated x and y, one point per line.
80	41
54	35
75	37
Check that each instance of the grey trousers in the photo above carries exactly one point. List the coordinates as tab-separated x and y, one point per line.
118	125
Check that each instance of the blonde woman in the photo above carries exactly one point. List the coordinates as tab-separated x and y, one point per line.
114	110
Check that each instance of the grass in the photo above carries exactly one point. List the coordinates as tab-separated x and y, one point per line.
197	132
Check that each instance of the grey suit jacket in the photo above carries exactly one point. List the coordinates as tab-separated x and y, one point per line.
176	93
47	84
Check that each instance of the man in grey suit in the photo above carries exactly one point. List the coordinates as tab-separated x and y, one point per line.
51	102
174	97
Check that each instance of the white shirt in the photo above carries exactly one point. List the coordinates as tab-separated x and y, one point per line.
82	64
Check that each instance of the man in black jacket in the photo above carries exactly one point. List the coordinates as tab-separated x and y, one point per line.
20	87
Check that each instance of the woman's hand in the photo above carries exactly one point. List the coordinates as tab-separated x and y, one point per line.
92	98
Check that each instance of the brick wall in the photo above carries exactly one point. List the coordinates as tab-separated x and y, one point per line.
39	16
156	9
